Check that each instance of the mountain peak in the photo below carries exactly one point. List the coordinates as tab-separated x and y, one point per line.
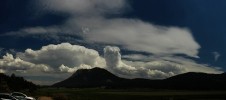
95	70
94	74
98	77
90	78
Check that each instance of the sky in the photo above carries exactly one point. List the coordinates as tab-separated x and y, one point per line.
46	41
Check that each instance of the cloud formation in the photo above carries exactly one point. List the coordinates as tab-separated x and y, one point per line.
2	71
62	57
112	56
90	20
9	63
141	36
66	58
132	34
154	68
216	55
84	7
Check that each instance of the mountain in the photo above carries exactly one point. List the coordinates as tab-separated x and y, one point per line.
15	83
97	77
193	80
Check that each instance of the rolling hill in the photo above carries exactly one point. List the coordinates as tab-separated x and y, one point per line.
15	83
97	77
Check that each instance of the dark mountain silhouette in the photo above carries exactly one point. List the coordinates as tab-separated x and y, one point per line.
97	77
14	83
193	80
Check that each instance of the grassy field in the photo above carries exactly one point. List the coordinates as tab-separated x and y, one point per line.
128	94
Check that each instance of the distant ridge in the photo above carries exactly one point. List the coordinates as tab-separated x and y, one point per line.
192	80
15	83
97	77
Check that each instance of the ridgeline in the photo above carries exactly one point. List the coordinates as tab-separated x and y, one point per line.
15	83
97	77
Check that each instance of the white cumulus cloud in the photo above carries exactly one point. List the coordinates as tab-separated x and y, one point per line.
155	68
9	63
65	53
72	70
63	59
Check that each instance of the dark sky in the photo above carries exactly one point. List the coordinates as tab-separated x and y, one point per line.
204	18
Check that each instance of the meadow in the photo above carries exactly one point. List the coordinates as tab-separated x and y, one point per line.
127	94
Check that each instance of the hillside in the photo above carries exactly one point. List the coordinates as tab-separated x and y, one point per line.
95	77
98	77
14	83
193	80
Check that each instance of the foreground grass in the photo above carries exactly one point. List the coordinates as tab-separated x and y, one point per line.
128	94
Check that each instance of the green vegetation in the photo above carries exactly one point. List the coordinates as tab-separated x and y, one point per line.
127	94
